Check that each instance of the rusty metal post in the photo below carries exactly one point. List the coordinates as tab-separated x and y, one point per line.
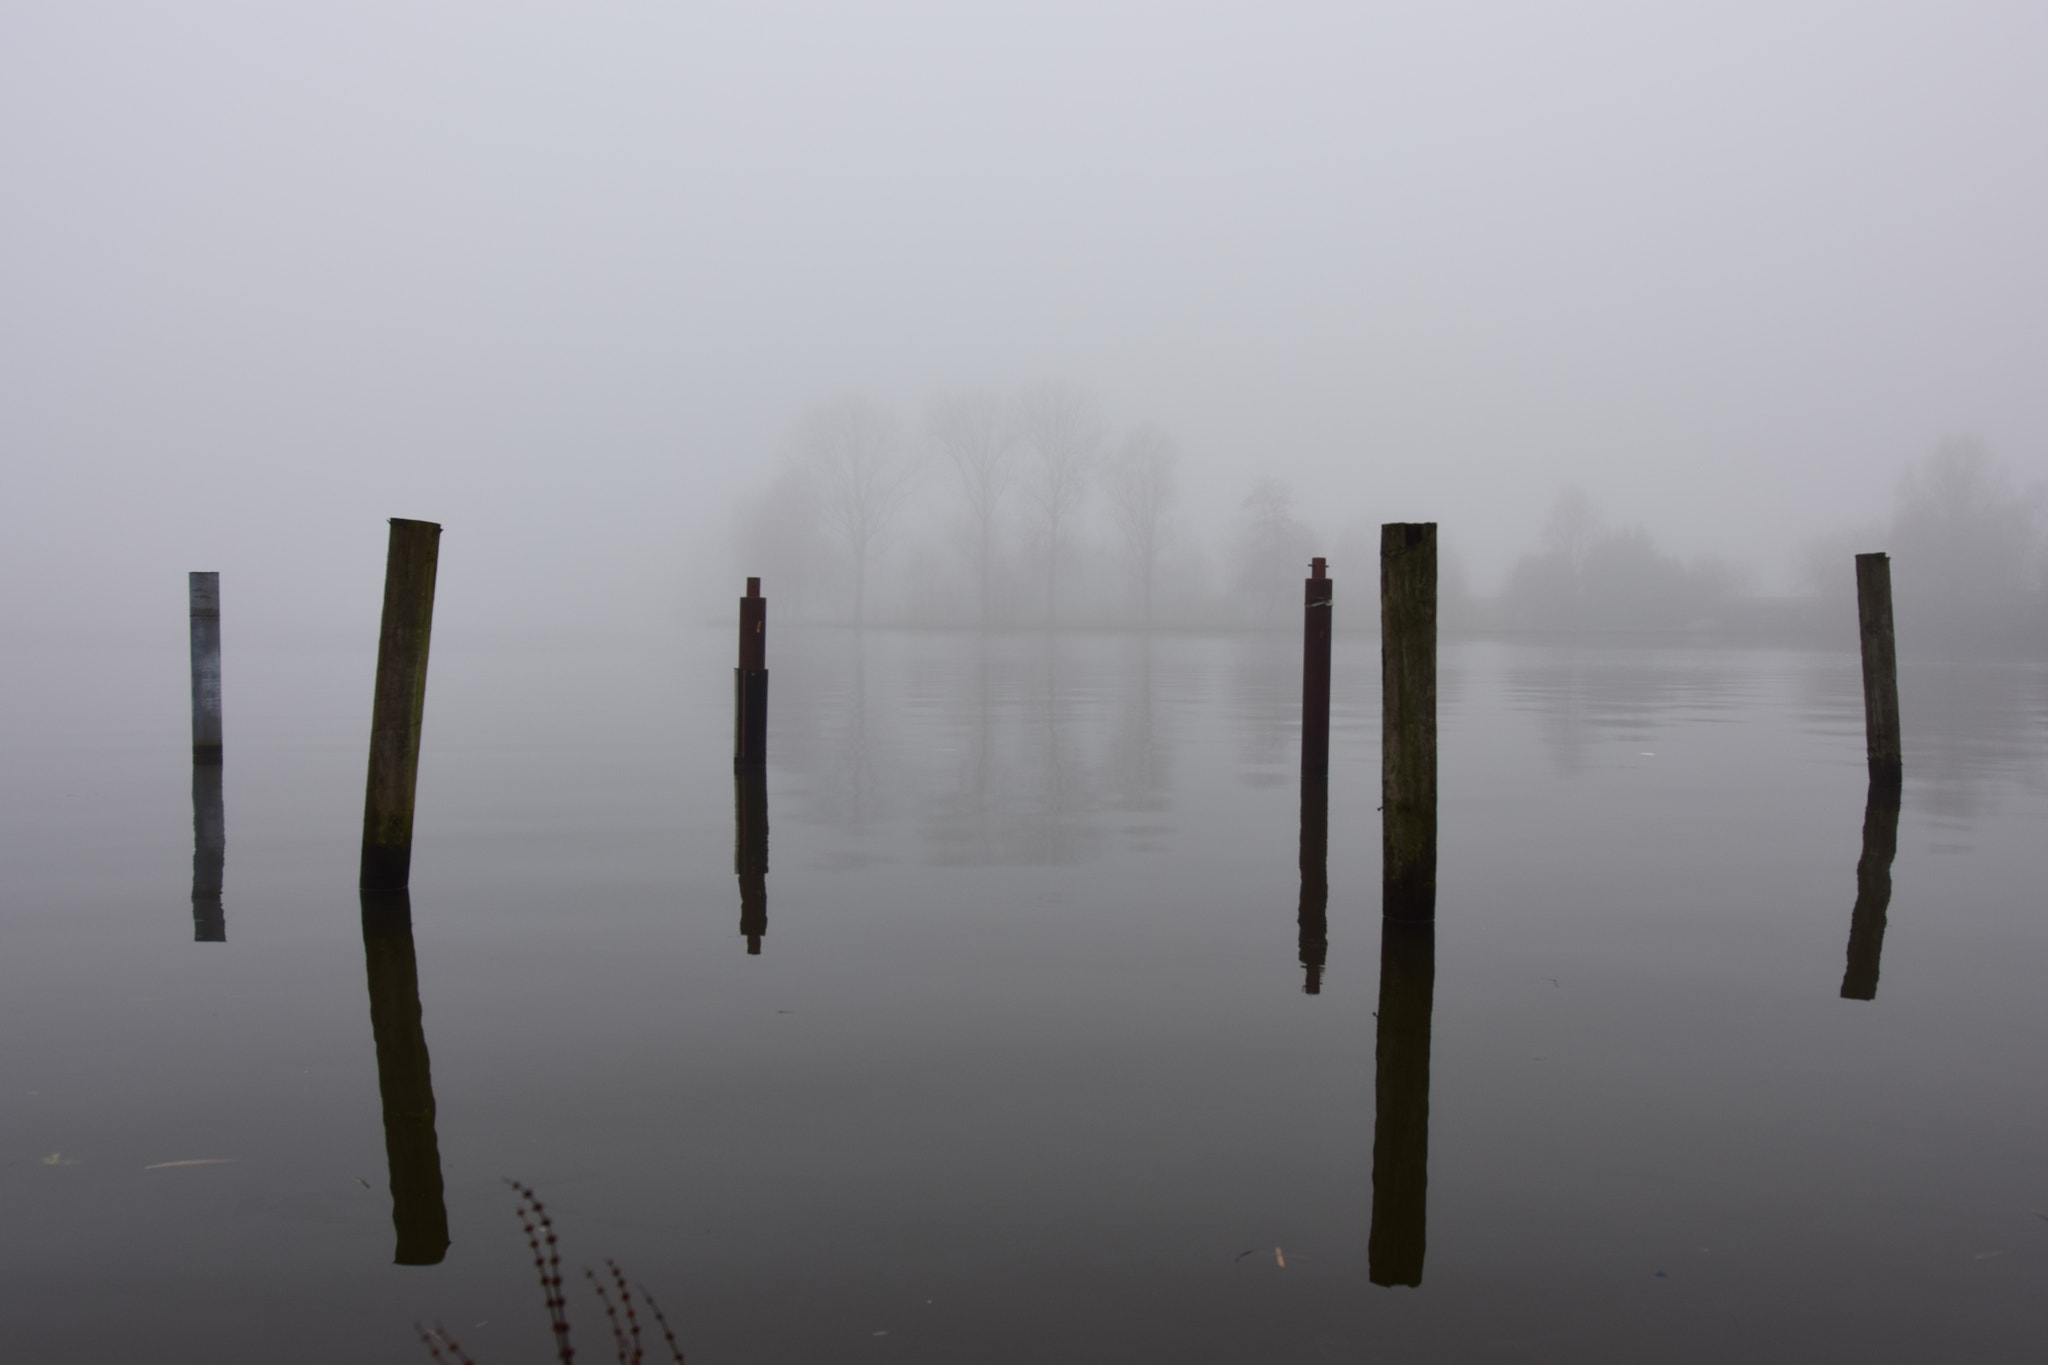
750	682
1315	670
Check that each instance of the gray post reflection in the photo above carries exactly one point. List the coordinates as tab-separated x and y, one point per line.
1312	918
209	855
1873	889
404	1080
750	852
1400	1129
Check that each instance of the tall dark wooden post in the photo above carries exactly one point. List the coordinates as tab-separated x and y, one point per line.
1312	919
405	1081
209	855
1315	669
750	682
1400	1128
1873	890
750	852
401	703
203	591
1880	666
1408	720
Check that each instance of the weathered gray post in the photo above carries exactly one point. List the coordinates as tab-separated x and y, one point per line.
750	852
204	591
750	682
1408	720
405	1081
1873	890
1315	669
1312	918
400	703
209	855
1400	1125
1880	666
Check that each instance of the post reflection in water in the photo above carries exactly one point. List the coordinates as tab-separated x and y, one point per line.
1400	1130
209	855
1873	889
750	852
1313	917
404	1080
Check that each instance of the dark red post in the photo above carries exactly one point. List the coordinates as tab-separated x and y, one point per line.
1315	670
750	682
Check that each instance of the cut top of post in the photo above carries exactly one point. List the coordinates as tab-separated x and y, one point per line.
205	593
1316	567
753	587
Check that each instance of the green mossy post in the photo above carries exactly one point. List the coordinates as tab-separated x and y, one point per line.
400	704
203	590
1318	591
1408	720
405	1081
750	682
1400	1127
1880	666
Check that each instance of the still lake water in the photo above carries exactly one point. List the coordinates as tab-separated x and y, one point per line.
1025	1067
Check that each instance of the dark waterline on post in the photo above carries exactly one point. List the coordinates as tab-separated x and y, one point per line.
203	591
750	682
1312	918
1315	669
1400	1128
1408	720
1880	666
750	852
209	854
405	1082
1873	890
400	705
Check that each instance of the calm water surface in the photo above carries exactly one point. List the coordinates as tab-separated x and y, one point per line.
1030	1042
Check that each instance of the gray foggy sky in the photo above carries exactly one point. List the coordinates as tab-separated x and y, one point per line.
562	276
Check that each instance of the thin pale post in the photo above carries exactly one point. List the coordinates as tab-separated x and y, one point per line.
1408	720
400	704
1880	666
1315	670
204	592
750	682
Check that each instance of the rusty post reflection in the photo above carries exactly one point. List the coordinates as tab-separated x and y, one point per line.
1873	889
1312	919
209	855
750	852
1400	1130
404	1079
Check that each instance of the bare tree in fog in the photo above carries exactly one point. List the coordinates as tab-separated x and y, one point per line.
1273	545
1590	575
854	447
1057	423
1142	488
969	429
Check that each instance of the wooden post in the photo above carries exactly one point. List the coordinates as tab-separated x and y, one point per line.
400	705
1408	720
1315	670
1400	1127
1312	919
204	592
405	1081
750	852
750	682
1880	665
1873	890
209	855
